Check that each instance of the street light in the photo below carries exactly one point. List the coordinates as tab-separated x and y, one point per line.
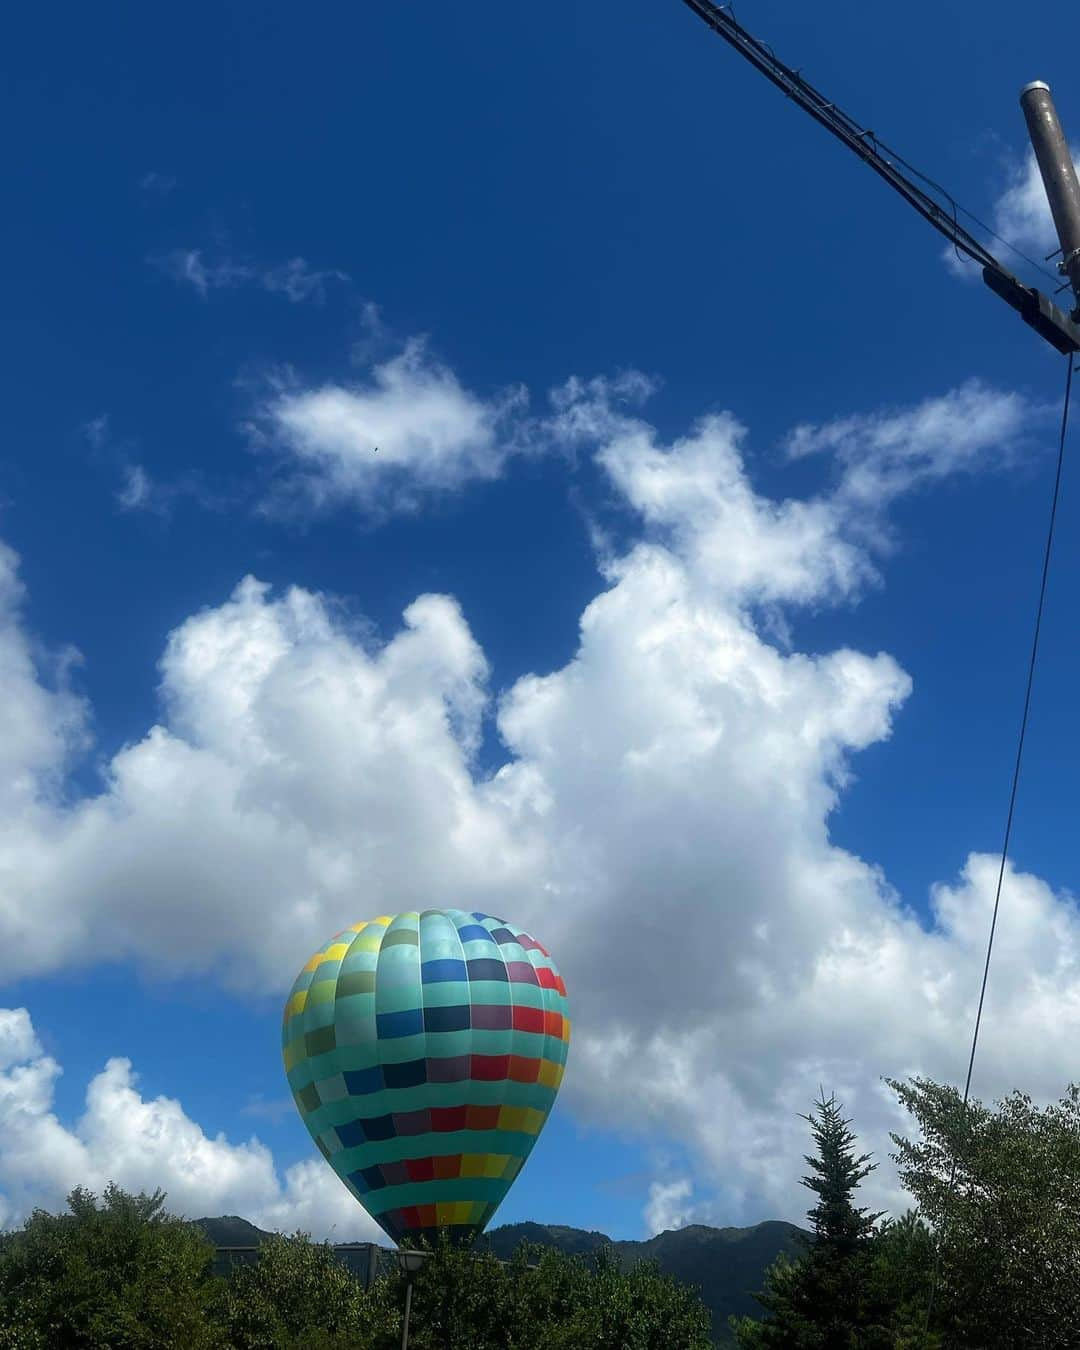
410	1262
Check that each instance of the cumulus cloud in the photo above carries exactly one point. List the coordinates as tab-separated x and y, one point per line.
660	817
295	279
142	1145
413	429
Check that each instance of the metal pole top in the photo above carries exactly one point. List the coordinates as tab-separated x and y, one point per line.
1035	84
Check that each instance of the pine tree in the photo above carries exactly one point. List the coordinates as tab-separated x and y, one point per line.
839	1228
820	1300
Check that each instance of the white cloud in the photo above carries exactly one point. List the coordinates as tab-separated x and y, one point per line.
668	1206
294	279
140	491
1022	213
412	430
141	1145
884	454
137	492
41	725
96	431
661	818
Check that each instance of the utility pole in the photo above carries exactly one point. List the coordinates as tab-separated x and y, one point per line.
1052	324
1059	178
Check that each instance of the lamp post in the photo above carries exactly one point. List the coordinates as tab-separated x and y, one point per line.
410	1262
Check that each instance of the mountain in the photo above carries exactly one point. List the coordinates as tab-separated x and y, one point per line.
229	1230
727	1264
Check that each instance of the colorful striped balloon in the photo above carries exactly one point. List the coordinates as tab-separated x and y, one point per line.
424	1052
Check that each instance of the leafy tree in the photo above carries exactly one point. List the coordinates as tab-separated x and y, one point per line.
467	1301
121	1275
297	1295
460	1299
636	1309
824	1301
549	1289
898	1282
1010	1245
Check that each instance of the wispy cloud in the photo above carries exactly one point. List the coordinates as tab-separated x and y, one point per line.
96	431
274	1110
159	184
295	279
140	491
1020	215
884	454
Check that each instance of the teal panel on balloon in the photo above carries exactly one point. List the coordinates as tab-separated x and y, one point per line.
424	1052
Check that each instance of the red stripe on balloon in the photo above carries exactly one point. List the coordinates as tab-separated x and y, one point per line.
444	1118
420	1169
528	1019
489	1068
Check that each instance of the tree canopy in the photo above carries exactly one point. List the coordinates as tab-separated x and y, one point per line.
1010	1245
121	1274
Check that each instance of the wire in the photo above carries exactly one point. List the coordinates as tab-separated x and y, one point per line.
879	157
1012	804
958	206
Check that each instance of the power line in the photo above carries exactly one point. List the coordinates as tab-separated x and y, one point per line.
1012	806
860	139
1041	313
1036	309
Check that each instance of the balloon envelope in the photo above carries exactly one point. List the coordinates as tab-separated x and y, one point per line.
424	1052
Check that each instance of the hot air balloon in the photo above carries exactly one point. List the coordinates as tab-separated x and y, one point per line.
424	1053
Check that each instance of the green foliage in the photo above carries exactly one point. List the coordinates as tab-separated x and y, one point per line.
459	1299
297	1296
543	1297
639	1309
1010	1258
121	1275
837	1224
826	1300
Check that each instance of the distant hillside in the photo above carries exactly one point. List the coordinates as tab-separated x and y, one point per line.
726	1264
231	1231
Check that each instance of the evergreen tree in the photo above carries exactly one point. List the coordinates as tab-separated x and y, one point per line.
824	1301
839	1227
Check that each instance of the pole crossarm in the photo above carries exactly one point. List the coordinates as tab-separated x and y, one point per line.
1036	309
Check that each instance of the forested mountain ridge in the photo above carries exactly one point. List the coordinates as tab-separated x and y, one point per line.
726	1264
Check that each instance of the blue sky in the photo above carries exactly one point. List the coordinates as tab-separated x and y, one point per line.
247	247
